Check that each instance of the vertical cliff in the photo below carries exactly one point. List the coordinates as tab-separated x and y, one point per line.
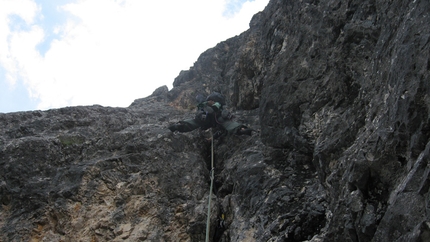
344	84
338	93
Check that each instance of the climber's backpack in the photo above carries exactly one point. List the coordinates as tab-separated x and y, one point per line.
217	97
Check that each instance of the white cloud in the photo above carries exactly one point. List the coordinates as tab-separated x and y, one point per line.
9	9
112	52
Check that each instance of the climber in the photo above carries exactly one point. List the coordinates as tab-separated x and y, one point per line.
210	114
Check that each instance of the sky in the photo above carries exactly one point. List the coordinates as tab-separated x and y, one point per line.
58	53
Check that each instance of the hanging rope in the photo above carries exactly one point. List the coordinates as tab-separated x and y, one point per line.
210	191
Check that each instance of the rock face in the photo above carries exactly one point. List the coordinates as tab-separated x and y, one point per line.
339	94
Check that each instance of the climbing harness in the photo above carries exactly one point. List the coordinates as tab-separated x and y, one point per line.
210	191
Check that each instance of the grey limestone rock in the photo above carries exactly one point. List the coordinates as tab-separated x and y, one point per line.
338	95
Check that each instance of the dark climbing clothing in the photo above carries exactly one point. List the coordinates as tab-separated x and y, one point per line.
211	115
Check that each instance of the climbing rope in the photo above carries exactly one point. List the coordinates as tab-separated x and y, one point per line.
210	191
